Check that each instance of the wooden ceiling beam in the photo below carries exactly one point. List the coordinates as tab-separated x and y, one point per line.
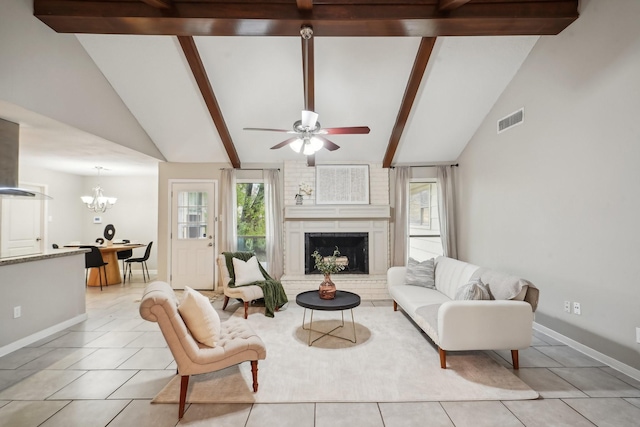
415	78
200	74
161	4
305	4
415	18
451	4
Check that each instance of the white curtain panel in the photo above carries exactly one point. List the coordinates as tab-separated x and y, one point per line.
401	216
273	216
229	237
446	211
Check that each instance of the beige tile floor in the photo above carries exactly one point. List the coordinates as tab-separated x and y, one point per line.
105	371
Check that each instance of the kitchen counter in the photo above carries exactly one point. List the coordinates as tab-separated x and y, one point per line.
40	295
51	253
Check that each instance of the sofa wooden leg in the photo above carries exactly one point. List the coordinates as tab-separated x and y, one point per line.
184	384
226	301
246	309
514	358
443	358
395	306
254	372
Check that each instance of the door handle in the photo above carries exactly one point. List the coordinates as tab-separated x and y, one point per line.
210	244
38	239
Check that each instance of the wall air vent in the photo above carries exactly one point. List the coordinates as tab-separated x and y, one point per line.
511	120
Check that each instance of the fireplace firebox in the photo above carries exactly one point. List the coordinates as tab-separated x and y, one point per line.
353	246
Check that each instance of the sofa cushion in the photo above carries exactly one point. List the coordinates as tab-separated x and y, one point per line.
201	318
474	290
410	298
451	274
421	273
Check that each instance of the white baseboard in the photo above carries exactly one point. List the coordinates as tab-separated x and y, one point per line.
23	342
615	364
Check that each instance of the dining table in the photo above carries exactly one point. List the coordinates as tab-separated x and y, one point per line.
109	255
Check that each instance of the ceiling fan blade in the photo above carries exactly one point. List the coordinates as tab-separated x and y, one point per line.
346	130
329	145
309	119
284	143
268	130
311	160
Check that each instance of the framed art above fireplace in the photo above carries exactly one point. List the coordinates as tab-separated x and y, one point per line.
342	184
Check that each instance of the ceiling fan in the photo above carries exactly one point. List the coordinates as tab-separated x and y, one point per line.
309	133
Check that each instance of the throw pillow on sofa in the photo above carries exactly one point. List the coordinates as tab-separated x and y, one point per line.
421	273
474	290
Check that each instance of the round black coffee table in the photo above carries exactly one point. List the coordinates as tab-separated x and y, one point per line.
344	300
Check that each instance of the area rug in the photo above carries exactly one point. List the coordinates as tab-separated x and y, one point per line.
392	361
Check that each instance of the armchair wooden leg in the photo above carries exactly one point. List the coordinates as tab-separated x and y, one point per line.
254	372
226	301
443	358
395	306
184	384
246	309
514	358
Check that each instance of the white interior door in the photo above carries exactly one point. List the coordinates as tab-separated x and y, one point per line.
193	237
22	225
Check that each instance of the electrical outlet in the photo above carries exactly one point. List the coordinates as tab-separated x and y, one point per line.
17	311
576	308
567	306
638	335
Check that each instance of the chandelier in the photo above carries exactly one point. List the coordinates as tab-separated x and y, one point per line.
98	202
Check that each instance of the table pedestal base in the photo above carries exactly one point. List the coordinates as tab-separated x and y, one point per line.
324	334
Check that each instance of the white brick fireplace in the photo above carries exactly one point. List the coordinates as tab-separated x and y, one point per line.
372	219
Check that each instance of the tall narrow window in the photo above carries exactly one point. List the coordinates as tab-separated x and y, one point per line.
424	224
251	218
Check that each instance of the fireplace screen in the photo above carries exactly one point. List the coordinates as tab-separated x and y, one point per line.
354	247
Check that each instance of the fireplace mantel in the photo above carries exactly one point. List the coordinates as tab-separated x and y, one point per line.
333	212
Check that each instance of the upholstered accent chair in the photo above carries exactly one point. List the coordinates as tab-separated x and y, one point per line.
236	343
245	293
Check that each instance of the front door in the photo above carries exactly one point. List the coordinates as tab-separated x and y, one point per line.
22	225
193	238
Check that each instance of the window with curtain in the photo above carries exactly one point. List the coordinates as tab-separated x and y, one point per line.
424	224
251	229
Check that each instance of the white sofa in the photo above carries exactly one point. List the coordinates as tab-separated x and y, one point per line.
503	323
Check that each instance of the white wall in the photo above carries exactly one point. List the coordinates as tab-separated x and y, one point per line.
556	199
51	74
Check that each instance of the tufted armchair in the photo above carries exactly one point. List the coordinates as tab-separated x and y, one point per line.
237	342
245	293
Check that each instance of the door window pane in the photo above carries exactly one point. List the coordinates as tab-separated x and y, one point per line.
251	219
192	214
424	224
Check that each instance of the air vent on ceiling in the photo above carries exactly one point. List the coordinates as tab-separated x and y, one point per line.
511	120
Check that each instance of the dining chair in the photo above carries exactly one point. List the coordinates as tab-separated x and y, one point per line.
143	263
93	259
123	255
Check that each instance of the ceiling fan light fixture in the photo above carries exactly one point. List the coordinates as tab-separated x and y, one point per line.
296	145
309	119
315	144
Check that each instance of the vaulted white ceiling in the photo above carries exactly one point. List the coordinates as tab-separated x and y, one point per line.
358	81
